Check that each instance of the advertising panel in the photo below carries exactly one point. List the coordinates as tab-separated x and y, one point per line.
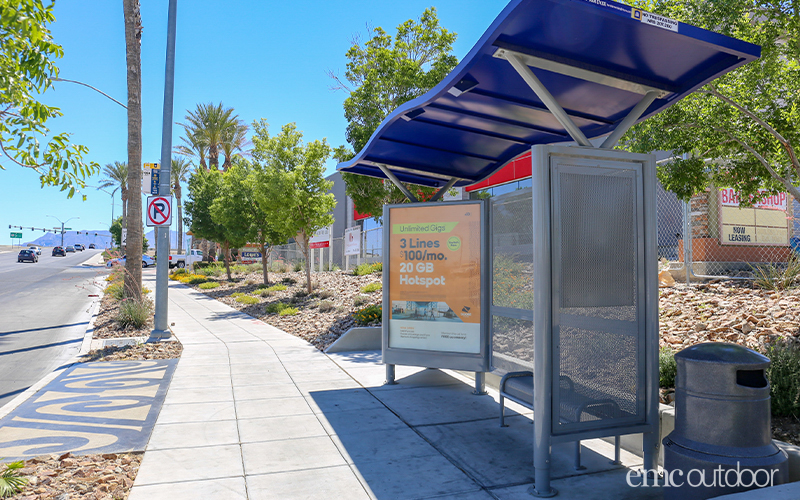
352	241
435	268
766	223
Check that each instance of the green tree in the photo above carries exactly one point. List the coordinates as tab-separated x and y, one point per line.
27	69
383	73
291	182
740	130
178	174
203	188
232	211
117	175
116	235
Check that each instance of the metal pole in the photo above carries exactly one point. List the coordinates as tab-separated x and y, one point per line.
62	234
161	325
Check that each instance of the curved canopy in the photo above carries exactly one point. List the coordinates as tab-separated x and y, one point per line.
597	59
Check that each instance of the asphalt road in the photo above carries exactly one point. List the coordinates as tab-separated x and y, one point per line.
45	309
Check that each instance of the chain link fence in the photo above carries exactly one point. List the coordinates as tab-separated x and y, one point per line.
725	241
331	257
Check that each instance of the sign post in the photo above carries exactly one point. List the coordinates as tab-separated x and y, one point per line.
435	281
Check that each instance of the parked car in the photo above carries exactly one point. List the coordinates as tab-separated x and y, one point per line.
70	248
27	255
79	247
36	249
91	246
147	261
185	260
59	251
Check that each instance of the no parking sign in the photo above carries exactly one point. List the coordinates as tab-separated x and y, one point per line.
159	211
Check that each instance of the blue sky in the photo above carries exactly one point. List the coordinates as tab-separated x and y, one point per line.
265	59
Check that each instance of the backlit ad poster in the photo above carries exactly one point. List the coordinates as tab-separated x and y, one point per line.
435	277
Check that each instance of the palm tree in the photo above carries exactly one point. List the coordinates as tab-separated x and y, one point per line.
117	175
211	123
133	58
234	139
194	146
179	173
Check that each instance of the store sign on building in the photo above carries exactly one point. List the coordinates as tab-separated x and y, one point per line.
766	223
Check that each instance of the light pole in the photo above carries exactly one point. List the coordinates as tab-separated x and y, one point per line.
62	226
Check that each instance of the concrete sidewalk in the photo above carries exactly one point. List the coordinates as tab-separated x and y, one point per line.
254	412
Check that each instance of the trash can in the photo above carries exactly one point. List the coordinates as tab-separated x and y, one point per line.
722	440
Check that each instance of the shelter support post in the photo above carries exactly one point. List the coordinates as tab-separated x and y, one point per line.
480	384
444	189
547	98
388	173
542	326
629	120
617	460
389	375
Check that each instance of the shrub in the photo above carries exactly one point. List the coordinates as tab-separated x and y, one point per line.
288	311
134	313
314	285
368	315
510	284
289	281
372	287
367	268
360	300
10	480
247	299
667	367
299	266
777	276
253	268
278	266
116	291
326	305
324	294
784	377
179	271
249	282
330	268
276	288
196	280
236	295
265	292
301	293
208	285
276	307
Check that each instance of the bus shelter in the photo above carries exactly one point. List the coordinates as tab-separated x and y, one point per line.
548	76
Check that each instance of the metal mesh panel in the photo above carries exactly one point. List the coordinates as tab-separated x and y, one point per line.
596	269
512	280
598	215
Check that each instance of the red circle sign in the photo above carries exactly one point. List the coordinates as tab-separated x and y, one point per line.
159	211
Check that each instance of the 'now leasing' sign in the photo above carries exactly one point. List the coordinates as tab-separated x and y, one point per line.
766	223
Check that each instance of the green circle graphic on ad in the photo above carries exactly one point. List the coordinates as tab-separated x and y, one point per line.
454	243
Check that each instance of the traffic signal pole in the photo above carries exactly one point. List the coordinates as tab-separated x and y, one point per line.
161	325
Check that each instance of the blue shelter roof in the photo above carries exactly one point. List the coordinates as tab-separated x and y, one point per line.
596	57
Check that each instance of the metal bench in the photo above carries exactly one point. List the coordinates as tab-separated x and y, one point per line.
518	387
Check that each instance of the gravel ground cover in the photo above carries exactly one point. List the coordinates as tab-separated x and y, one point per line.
321	318
89	477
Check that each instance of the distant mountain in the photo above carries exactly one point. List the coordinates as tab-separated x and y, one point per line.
102	240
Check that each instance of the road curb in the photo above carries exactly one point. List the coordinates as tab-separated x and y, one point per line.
30	391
